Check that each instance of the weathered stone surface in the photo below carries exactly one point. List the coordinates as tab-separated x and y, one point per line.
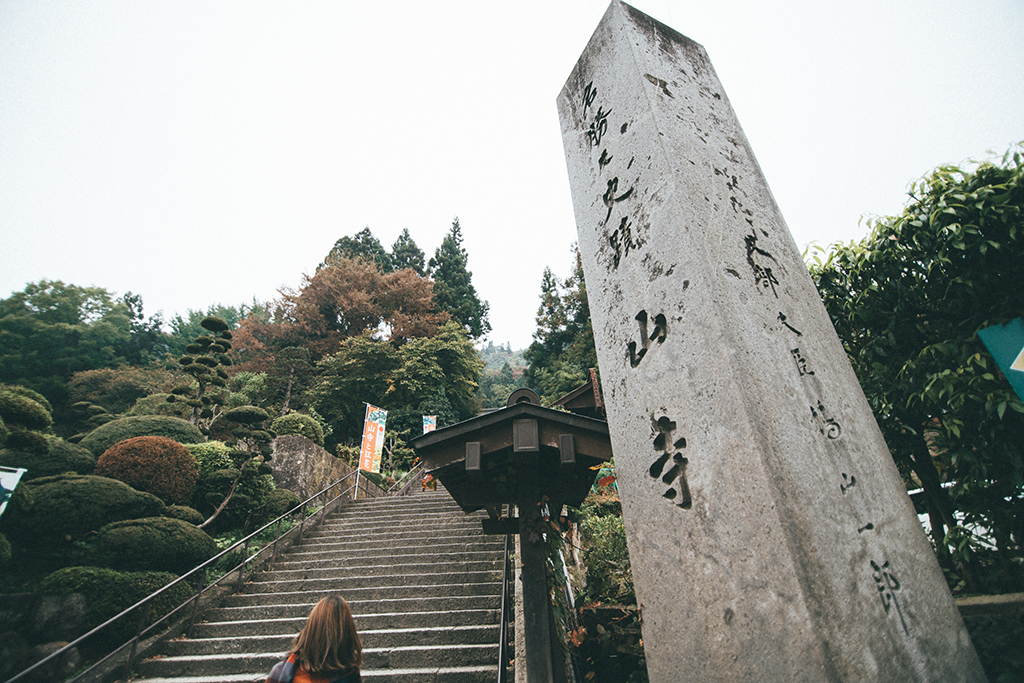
305	468
770	534
56	669
58	617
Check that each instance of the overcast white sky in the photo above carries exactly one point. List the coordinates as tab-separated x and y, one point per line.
201	152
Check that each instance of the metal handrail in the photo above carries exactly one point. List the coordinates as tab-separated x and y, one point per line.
417	475
507	588
143	630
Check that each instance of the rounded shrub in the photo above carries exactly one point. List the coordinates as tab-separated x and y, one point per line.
60	457
67	506
277	502
153	543
28	393
251	492
157	404
5	550
211	456
297	423
109	592
23	411
185	514
245	415
27	442
155	464
105	436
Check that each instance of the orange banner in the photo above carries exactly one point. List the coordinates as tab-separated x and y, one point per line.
373	439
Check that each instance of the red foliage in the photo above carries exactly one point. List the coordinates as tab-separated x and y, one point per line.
154	464
341	300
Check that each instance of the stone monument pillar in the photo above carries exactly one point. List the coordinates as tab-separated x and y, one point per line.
770	533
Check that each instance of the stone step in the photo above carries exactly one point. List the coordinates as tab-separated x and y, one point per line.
400	583
459	674
395	534
413	657
371	638
355	559
364	622
373	544
371	572
296	605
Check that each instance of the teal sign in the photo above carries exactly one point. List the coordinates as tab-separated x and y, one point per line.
1006	344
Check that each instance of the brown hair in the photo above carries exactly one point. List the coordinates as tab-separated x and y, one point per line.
328	641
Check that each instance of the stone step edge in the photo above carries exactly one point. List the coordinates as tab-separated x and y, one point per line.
280	655
365	673
362	633
375	615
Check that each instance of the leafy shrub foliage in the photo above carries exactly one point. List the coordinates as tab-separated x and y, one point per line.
211	456
60	457
297	423
21	418
185	514
251	493
277	502
153	543
68	506
108	593
155	464
157	404
105	436
117	389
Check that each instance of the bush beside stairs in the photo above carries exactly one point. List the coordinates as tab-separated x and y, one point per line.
423	582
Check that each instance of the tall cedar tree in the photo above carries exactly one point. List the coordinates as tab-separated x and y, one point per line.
405	254
453	287
563	347
907	302
362	245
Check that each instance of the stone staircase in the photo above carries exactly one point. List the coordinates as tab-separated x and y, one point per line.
423	582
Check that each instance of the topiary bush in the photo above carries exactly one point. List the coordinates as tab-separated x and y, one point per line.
155	464
184	513
109	592
60	457
154	543
251	493
65	507
277	502
157	404
105	436
297	423
22	417
28	393
211	456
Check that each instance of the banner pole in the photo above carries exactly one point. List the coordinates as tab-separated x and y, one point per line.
355	495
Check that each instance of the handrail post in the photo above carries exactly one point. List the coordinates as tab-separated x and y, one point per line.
277	537
135	641
195	604
241	567
507	578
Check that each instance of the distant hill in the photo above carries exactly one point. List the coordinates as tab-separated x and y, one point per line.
496	355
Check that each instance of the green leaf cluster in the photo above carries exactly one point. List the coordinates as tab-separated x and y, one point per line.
907	302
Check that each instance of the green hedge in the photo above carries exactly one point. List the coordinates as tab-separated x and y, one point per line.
71	505
108	592
297	423
60	457
105	436
154	543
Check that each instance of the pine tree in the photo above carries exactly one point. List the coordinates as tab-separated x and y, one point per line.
453	288
405	254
